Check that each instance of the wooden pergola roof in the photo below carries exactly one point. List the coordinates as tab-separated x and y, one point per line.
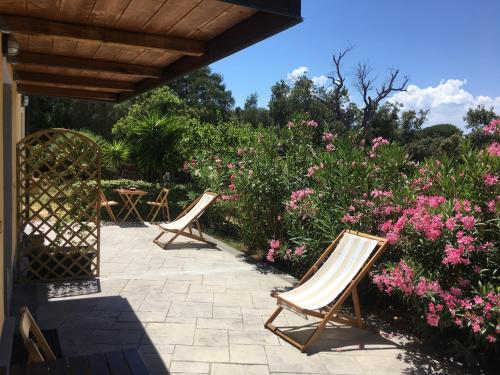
113	49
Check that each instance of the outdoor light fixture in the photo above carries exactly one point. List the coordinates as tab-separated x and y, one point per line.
10	46
25	100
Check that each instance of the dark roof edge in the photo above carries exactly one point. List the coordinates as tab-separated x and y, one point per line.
291	8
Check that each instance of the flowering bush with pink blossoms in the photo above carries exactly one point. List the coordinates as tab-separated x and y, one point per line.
291	193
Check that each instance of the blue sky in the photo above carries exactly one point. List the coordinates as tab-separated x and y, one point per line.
450	49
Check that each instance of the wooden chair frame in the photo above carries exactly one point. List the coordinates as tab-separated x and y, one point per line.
35	343
161	203
329	313
106	203
182	231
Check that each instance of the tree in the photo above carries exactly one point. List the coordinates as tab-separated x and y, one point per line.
435	141
411	123
45	112
279	106
206	92
151	139
252	114
476	119
161	100
365	84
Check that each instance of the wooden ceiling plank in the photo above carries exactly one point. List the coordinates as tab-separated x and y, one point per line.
138	13
14	7
33	26
168	15
72	81
85	64
48	9
76	11
107	12
224	21
66	92
198	17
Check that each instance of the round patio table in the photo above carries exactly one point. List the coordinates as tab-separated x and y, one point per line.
130	198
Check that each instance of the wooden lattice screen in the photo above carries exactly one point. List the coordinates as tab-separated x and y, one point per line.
58	180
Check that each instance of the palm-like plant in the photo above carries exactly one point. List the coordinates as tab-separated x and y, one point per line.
150	139
115	155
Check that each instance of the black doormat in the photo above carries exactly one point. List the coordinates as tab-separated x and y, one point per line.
19	355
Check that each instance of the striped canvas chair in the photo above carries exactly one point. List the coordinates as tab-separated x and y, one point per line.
186	219
329	282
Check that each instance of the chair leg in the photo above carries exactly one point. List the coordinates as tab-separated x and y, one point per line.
168	212
357	307
164	245
273	316
154	209
111	214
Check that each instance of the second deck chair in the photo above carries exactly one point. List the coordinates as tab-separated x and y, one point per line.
37	347
108	205
186	219
325	287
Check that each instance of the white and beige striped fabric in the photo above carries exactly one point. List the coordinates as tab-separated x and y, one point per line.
193	214
335	274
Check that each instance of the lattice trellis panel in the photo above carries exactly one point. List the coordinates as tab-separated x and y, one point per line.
58	182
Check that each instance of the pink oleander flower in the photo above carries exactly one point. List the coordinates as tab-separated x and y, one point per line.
490	180
290	125
300	250
492	206
329	147
327	137
494	148
493	127
312	124
491	338
453	256
468	222
274	244
270	255
450	223
230	165
353	219
232	187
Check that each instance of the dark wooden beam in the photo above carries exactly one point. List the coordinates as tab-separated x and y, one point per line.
113	37
85	64
82	82
283	7
254	29
66	93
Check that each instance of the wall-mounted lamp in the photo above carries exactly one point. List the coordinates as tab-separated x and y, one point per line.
25	100
10	46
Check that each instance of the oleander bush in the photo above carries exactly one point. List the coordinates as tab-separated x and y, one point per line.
291	192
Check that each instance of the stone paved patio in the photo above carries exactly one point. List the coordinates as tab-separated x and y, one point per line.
200	310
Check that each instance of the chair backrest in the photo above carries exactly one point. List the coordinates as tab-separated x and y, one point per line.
37	347
102	197
162	196
345	262
197	208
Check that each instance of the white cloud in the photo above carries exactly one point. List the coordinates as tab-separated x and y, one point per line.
448	101
297	73
320	81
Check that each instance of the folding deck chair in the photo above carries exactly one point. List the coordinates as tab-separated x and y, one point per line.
35	343
325	287
108	205
161	203
186	219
